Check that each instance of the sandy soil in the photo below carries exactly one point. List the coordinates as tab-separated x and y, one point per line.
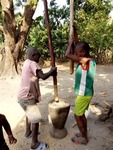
100	135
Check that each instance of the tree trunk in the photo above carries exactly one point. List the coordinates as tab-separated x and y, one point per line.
104	57
14	43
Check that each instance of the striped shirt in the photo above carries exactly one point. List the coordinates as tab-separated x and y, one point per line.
84	79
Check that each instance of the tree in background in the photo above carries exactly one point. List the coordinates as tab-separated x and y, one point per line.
15	34
59	23
96	27
19	30
93	24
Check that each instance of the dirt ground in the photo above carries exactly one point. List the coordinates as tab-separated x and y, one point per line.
100	133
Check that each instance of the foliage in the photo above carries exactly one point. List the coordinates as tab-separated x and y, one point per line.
38	37
32	2
59	23
91	19
95	26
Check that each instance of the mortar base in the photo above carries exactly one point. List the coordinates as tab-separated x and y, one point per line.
58	133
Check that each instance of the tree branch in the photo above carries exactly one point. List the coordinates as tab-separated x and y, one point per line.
26	24
1	29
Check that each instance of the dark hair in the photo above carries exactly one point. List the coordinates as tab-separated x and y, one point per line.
84	46
31	51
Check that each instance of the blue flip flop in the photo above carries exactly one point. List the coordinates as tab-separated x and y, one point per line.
41	146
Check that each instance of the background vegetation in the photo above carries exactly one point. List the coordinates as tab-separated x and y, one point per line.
93	23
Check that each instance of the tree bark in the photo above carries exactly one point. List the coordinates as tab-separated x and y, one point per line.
13	45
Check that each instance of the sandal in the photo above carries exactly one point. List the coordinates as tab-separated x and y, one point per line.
41	146
78	135
79	140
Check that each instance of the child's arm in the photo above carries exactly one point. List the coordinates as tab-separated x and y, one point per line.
74	57
7	128
44	76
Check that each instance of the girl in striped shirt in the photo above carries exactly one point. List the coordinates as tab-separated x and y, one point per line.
83	88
